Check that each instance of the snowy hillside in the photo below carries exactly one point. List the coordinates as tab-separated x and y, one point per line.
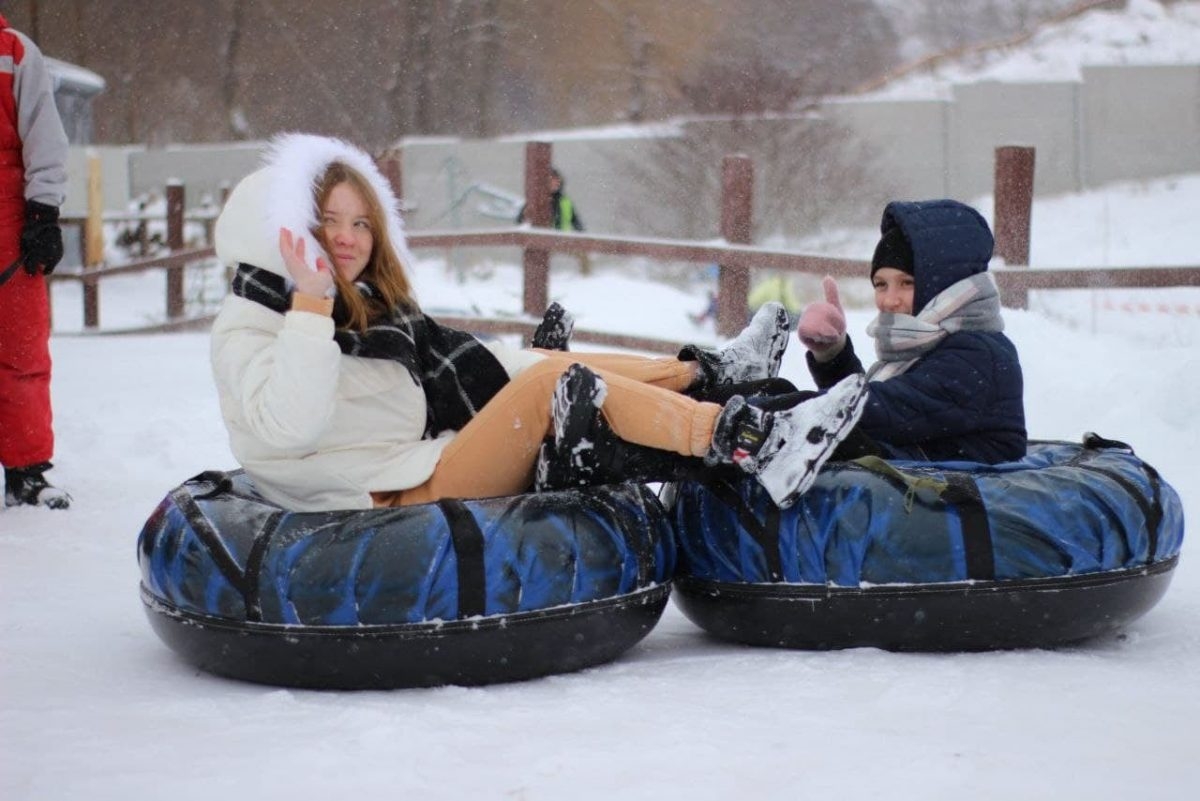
1144	32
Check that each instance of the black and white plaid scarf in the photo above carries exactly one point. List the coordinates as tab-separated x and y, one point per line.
455	370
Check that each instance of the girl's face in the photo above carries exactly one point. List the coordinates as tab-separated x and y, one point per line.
893	290
346	227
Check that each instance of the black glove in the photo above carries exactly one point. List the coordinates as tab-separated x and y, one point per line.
41	238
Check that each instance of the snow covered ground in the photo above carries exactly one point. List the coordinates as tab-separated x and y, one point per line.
93	706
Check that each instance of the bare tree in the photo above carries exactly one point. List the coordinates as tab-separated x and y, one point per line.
238	125
375	70
754	95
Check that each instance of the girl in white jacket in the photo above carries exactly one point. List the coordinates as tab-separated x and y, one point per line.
338	393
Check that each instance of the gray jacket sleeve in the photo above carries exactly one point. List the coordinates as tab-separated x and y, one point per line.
43	140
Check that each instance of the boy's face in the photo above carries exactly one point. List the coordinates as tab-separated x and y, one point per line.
893	290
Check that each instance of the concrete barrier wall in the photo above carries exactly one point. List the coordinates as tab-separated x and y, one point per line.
439	176
447	182
985	116
203	169
908	139
1119	123
114	177
604	178
1139	122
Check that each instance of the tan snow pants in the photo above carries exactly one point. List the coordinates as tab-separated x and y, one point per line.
495	454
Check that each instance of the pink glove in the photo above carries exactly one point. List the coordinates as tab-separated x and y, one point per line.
822	327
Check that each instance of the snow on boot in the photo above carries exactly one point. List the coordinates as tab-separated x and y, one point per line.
27	486
753	355
785	450
568	460
554	332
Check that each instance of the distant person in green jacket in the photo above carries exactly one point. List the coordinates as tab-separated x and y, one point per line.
563	214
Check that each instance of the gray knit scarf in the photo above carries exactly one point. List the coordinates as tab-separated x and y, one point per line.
972	304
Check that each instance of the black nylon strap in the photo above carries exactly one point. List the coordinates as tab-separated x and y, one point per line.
962	493
219	479
765	533
9	271
210	539
1151	508
641	538
1156	512
467	539
254	563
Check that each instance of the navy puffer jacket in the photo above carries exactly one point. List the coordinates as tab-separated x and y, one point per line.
964	400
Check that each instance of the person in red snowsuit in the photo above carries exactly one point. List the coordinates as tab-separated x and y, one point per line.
33	176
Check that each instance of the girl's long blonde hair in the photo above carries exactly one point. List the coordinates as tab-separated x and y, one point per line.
384	269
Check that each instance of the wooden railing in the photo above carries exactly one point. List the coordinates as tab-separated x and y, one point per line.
1012	280
174	263
1013	203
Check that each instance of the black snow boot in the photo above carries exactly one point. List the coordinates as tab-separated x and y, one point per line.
618	460
27	486
592	454
554	332
785	449
757	392
567	459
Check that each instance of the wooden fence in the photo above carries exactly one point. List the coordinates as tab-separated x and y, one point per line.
1014	168
174	263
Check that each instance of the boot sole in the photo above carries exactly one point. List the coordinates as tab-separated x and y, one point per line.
571	426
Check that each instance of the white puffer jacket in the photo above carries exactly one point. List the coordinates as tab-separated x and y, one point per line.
315	429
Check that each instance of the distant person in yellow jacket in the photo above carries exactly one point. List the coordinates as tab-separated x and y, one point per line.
774	288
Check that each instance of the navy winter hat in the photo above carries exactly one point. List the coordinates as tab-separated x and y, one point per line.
894	251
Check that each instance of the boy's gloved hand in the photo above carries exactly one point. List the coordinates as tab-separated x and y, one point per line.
822	327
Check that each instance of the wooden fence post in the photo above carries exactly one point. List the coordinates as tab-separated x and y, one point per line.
93	243
737	201
1013	212
175	203
536	262
391	164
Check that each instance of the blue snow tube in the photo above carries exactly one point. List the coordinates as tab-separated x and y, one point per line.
1073	541
454	592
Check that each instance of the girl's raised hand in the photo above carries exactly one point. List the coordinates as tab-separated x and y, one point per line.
318	282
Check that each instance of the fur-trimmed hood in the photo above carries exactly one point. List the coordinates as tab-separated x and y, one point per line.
280	193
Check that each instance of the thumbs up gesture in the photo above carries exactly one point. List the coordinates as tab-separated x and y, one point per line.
822	327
